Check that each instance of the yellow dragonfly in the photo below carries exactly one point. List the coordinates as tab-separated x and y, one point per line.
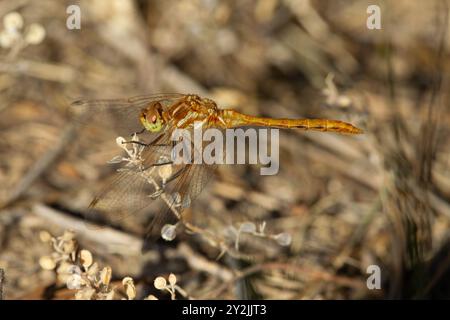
147	172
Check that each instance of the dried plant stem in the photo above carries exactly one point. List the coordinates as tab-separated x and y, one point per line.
39	70
113	241
199	262
41	165
313	274
216	241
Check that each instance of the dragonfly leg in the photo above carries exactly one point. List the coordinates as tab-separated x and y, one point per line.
160	164
139	132
137	142
153	143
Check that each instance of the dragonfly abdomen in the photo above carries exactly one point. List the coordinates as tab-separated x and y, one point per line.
232	119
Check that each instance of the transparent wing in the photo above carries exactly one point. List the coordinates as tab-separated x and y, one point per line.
121	115
126	193
158	187
179	194
129	190
182	189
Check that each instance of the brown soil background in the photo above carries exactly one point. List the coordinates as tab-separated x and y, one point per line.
382	198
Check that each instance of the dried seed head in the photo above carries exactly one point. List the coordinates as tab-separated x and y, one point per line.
47	263
86	258
120	142
131	292
130	289
169	232
283	239
160	283
165	172
45	236
7	39
13	21
105	275
127	281
172	279
34	34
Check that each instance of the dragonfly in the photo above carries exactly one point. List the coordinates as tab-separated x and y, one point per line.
147	173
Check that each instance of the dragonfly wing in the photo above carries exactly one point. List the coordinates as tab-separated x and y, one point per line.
129	191
124	195
185	183
121	115
179	195
175	186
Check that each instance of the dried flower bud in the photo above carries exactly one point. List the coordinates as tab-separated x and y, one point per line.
86	258
7	39
172	279
160	283
45	236
47	263
13	21
130	289
120	142
105	275
165	172
283	239
169	232
151	297
34	34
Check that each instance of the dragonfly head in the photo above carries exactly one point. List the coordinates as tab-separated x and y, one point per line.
151	117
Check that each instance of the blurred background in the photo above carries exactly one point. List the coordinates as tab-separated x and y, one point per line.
346	202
